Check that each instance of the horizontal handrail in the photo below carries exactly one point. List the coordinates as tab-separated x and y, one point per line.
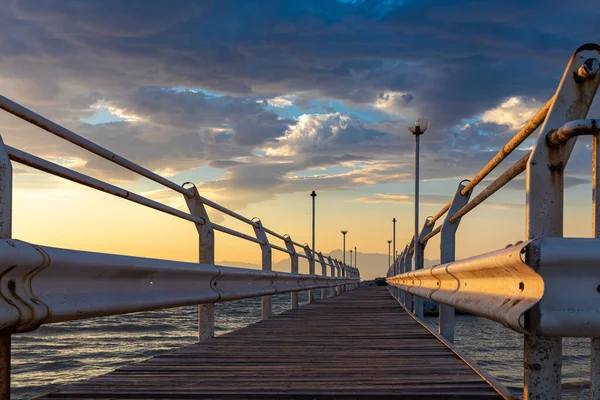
431	234
516	140
274	246
502	285
62	132
496	285
107	284
55	169
492	188
570	130
43	165
277	235
35	162
227	211
235	233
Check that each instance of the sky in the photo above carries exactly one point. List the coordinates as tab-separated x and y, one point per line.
260	102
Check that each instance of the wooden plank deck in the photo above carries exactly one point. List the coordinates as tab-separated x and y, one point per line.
361	344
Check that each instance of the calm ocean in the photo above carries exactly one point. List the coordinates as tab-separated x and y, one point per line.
58	354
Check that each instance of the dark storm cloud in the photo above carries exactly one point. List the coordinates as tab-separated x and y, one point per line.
450	61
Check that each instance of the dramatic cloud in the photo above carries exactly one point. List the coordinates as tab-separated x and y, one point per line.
317	133
514	112
271	92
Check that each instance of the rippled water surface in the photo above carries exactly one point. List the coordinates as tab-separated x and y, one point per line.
59	354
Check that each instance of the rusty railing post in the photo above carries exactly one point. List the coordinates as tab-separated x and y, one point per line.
338	289
323	272
448	254
343	275
421	249
206	249
407	268
544	212
332	267
595	342
267	265
394	273
5	232
401	271
289	244
310	253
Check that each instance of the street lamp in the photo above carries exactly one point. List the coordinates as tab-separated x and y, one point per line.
312	260
389	253
355	253
419	128
350	257
344	233
394	237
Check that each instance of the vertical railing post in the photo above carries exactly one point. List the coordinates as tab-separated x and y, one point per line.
289	244
206	249
595	343
338	267
5	233
544	211
267	265
323	272
403	270
407	268
448	254
311	292
420	248
332	288
396	272
310	253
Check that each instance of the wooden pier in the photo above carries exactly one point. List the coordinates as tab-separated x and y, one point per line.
361	344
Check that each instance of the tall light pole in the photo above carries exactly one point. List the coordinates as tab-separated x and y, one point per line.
350	257
355	253
312	259
419	128
389	253
344	233
394	238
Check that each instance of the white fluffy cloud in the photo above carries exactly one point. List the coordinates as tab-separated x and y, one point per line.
280	102
314	133
514	112
395	103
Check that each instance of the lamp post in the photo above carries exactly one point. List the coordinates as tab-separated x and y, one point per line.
355	253
389	253
419	128
312	259
394	237
311	293
344	233
350	257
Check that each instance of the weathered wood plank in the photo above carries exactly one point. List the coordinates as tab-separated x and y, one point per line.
358	345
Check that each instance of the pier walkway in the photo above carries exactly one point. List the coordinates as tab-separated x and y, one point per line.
361	344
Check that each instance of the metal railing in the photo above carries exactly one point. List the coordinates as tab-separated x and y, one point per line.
546	287
33	290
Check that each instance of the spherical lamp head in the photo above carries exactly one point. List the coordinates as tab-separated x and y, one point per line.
419	127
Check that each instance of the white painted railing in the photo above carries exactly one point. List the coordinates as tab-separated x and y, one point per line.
546	288
41	285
